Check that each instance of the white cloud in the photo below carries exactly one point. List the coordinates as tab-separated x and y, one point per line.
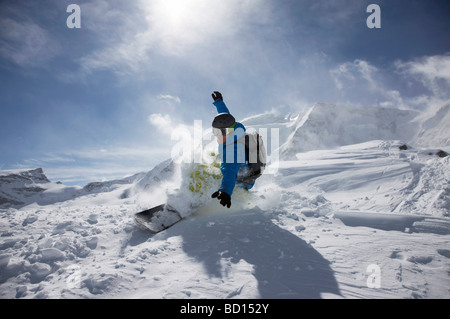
421	82
162	122
136	39
432	71
86	165
82	175
169	97
26	43
363	83
350	73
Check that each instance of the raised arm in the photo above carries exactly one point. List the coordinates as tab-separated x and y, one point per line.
219	103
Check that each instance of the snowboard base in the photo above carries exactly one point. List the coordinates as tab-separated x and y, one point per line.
158	218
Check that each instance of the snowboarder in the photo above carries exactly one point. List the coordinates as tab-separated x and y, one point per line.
231	153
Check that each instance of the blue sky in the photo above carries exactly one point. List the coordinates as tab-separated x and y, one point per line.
99	102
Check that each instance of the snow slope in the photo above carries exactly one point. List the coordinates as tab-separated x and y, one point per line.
350	217
434	127
326	126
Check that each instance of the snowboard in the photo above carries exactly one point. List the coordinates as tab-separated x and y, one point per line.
158	218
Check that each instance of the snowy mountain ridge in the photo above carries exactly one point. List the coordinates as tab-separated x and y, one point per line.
434	128
18	185
327	126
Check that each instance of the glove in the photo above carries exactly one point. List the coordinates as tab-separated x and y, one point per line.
216	96
224	198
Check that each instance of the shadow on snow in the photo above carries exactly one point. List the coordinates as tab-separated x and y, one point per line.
285	266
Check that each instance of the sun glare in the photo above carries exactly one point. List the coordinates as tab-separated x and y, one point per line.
174	12
177	25
180	14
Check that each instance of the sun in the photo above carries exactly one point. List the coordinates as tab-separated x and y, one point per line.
177	14
177	26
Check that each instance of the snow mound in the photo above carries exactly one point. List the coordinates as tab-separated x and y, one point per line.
373	176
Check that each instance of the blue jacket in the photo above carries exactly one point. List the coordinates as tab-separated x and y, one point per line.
231	154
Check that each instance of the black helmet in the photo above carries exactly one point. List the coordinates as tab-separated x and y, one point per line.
223	120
